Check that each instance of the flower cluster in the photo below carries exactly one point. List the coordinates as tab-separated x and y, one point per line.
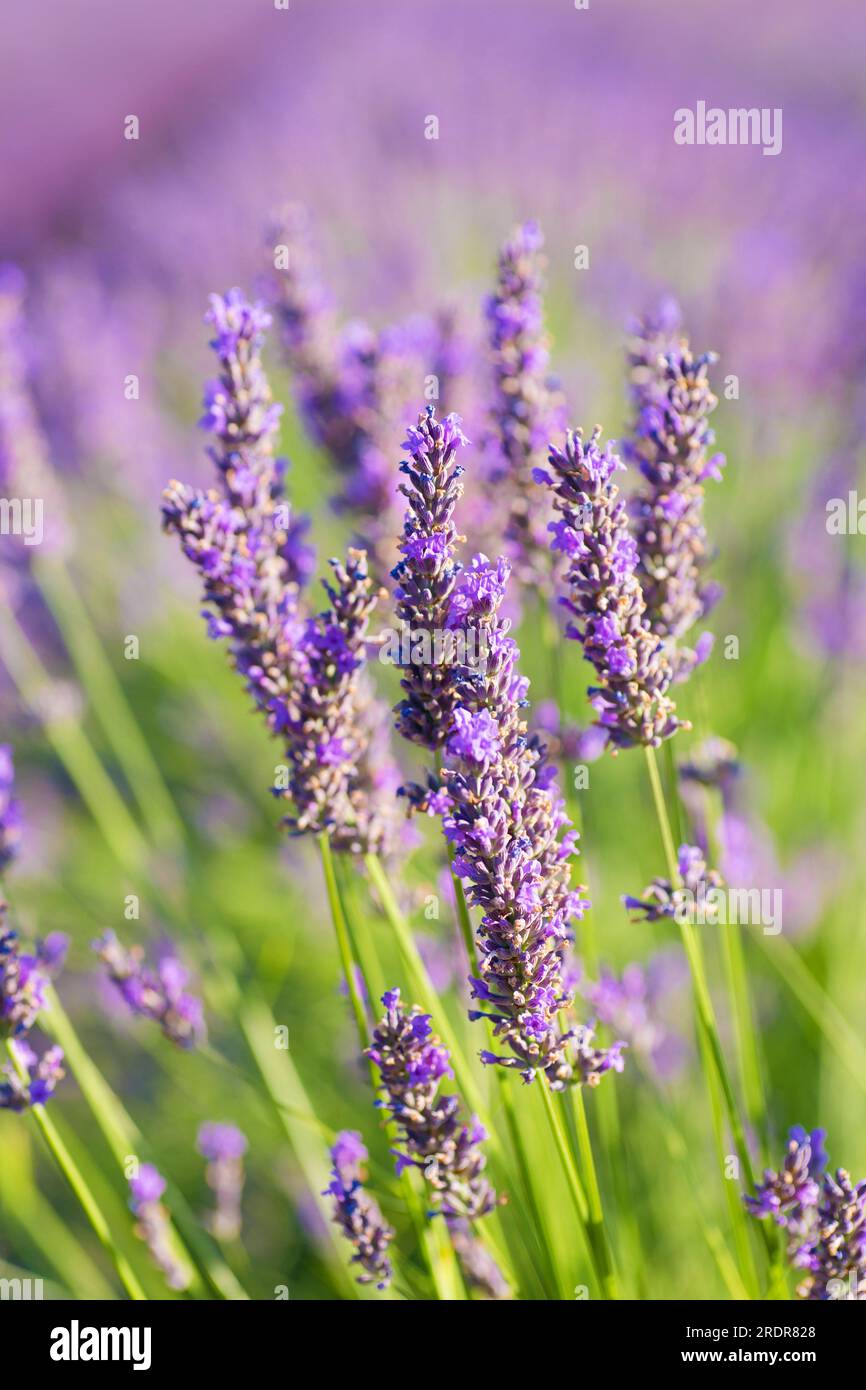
19	1092
159	994
528	410
356	1212
412	1062
224	1146
670	443
823	1215
512	843
10	809
663	899
606	599
427	571
146	1188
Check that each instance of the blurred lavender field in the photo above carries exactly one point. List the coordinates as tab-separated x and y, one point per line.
109	250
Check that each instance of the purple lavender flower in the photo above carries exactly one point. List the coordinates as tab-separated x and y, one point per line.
835	1252
243	538
512	843
426	575
328	723
146	1187
692	896
631	701
670	441
43	1074
255	567
159	994
528	409
23	982
224	1146
10	809
823	1215
412	1062
356	1212
785	1194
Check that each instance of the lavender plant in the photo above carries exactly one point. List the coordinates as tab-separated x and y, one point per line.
605	597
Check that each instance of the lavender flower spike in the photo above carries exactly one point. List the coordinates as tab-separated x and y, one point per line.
242	537
356	1212
670	441
606	599
513	844
426	575
528	409
327	721
146	1188
158	994
224	1146
412	1062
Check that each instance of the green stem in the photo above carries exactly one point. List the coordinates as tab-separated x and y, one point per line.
121	728
75	1179
712	1054
706	1013
597	1228
572	1178
124	1138
343	946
